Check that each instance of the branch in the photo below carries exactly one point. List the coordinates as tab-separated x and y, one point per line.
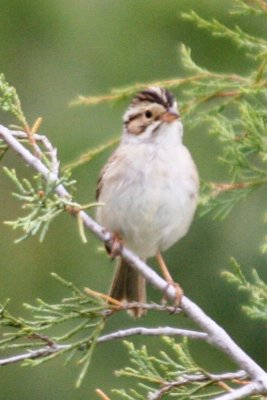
166	331
55	348
118	94
33	354
242	393
50	150
151	306
216	336
185	379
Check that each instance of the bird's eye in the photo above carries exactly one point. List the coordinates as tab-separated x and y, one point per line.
148	114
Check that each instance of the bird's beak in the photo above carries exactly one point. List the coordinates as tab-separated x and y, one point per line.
169	116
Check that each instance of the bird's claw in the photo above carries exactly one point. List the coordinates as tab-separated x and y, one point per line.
114	246
178	293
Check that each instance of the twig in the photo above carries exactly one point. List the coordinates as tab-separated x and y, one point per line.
185	379
119	306
32	354
152	307
89	155
227	187
50	150
101	394
55	348
216	335
242	393
116	303
166	331
169	83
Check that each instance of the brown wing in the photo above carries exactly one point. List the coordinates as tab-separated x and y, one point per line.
99	187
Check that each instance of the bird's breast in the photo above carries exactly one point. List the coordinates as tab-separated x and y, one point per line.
149	197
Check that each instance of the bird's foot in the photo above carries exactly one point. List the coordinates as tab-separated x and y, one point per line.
178	293
170	282
114	246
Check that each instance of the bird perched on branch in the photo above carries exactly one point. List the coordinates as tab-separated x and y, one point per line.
149	189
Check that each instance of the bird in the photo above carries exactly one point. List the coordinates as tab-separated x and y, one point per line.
147	190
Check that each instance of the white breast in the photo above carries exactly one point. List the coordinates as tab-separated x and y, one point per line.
149	192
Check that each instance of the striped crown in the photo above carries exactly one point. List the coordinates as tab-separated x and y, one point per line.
155	94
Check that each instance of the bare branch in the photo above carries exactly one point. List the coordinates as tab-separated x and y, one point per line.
50	150
216	335
242	393
32	354
146	306
55	348
152	306
185	379
166	331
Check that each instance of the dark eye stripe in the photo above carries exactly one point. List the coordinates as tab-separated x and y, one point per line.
131	118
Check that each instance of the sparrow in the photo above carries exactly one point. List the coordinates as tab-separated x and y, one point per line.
148	188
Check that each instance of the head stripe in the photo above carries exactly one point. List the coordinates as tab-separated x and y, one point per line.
155	95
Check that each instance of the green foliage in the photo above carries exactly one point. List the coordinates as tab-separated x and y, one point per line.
244	154
70	327
236	115
250	8
3	149
252	44
10	102
43	205
173	372
256	290
230	106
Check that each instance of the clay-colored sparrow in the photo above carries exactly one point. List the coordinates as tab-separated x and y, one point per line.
148	187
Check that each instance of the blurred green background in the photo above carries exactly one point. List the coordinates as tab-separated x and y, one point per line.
52	51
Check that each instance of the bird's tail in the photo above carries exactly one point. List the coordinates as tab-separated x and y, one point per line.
130	286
